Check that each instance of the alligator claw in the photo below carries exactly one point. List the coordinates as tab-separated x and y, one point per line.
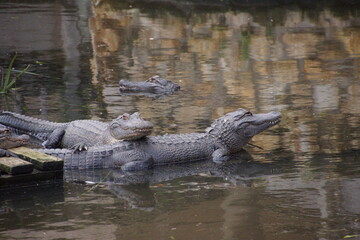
79	147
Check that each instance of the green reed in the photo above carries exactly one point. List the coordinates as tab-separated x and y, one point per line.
8	81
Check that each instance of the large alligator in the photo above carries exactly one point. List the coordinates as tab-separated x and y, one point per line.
10	140
227	135
155	86
78	134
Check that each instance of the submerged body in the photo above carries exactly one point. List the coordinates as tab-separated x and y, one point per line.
227	135
153	87
79	134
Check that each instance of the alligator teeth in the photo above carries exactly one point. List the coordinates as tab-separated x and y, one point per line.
274	122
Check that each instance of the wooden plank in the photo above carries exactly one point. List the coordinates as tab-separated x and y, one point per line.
12	165
41	161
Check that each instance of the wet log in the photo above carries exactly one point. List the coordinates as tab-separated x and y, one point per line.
41	161
12	165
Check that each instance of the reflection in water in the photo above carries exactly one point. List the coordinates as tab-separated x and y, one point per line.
300	64
241	170
22	206
302	60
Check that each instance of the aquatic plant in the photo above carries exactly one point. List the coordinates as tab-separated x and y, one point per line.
8	81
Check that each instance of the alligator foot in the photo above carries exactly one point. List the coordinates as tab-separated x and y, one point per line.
79	147
220	155
135	160
137	165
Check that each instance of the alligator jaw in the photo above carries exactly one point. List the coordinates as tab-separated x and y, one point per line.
155	85
128	87
261	123
137	133
11	141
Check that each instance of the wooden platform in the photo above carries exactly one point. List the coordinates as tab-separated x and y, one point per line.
12	165
30	166
41	161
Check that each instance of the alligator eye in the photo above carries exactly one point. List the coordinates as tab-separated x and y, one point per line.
152	79
125	116
248	114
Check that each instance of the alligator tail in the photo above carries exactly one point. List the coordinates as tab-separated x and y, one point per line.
28	125
81	160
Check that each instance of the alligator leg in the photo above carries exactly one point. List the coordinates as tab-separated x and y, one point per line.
221	154
55	138
134	160
137	165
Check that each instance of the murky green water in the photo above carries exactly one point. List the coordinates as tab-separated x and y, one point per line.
302	60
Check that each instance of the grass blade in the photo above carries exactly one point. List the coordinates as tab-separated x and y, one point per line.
8	82
8	72
22	72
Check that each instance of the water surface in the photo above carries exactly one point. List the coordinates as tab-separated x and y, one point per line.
301	59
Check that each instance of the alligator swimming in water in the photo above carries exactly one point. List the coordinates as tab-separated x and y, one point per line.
155	86
227	135
10	140
79	134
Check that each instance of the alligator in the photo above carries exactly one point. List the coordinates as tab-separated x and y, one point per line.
79	134
227	135
154	87
10	140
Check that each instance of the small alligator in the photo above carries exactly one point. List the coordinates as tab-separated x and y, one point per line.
79	134
155	86
227	135
10	140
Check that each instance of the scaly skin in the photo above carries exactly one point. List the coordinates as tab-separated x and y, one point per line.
242	161
9	140
79	134
153	87
227	135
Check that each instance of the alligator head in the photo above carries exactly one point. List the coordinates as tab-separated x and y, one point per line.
130	127
9	140
154	84
161	84
235	129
